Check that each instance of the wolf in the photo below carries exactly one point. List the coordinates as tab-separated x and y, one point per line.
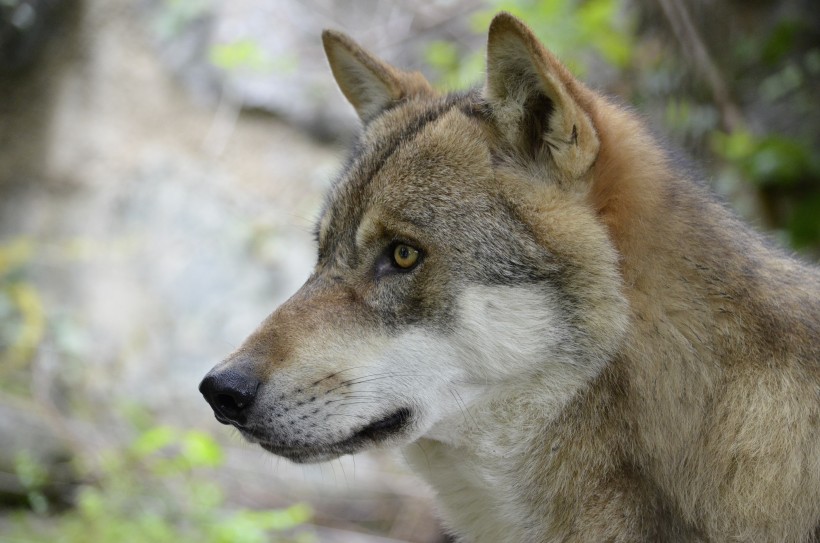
569	336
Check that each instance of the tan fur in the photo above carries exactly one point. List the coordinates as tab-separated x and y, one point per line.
591	349
368	83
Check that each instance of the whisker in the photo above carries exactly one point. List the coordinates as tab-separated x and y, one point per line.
467	409
373	377
357	402
383	375
344	475
359	380
333	470
335	373
353	397
463	414
374	399
345	415
426	458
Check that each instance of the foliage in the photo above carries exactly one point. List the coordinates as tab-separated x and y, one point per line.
29	321
777	166
239	54
33	476
157	490
248	56
573	28
576	31
22	315
767	160
175	17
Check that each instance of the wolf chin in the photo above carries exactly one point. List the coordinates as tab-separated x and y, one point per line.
570	338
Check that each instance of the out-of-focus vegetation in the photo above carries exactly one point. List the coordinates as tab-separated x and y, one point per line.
573	30
157	489
21	311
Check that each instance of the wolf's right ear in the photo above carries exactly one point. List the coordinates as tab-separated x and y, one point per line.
535	100
368	83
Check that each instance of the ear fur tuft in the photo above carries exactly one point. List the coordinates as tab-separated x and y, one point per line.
532	98
369	84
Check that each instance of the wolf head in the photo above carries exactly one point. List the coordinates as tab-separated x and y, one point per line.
461	254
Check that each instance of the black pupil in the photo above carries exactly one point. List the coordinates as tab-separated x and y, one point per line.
404	252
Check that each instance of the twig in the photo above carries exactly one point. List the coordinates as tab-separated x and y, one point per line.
693	46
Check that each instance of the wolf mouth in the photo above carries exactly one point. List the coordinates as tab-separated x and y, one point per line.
374	432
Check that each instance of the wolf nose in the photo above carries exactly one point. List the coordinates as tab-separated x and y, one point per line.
230	393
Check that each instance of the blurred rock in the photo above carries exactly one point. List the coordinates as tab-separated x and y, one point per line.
39	41
277	63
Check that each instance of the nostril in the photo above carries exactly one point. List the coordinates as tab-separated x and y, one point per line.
229	393
228	404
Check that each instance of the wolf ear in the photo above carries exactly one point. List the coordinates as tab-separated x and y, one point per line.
368	83
531	95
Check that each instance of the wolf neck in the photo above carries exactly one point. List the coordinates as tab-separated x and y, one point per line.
659	220
705	293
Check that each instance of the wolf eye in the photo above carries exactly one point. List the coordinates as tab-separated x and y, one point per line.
404	256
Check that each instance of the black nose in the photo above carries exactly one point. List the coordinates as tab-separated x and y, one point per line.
230	393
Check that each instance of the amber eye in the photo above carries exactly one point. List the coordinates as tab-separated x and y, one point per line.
404	256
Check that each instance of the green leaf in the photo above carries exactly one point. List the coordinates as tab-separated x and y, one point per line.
206	495
91	503
735	146
804	225
200	449
781	41
15	253
442	55
31	473
241	54
153	440
281	519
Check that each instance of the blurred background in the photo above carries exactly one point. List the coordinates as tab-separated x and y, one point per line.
161	164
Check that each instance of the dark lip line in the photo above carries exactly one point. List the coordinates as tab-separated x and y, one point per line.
226	421
378	430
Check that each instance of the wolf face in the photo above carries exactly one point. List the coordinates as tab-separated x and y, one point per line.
581	341
459	256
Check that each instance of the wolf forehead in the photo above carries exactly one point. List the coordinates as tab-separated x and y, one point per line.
435	132
421	166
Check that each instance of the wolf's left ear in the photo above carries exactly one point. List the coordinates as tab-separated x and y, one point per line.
368	83
533	98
